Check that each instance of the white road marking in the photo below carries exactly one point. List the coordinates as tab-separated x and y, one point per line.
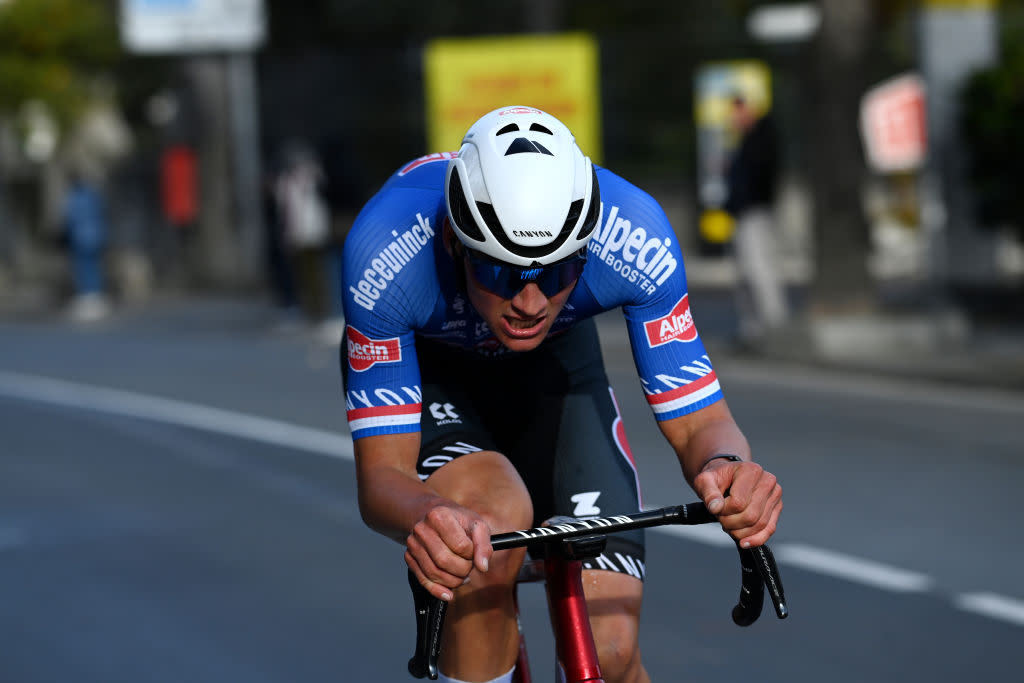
194	415
338	445
711	534
852	568
992	605
875	388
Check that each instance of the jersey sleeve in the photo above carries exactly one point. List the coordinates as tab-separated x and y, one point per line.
674	367
640	268
390	284
382	389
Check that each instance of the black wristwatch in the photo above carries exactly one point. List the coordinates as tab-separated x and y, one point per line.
722	456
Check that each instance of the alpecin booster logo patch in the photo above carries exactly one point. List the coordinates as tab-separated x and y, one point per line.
676	326
364	352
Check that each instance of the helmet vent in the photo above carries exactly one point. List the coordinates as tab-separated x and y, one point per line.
524	146
510	128
574	215
539	128
459	208
590	222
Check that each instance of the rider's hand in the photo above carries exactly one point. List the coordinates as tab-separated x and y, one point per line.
750	511
445	546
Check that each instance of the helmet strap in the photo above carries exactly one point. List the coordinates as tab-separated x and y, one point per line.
458	254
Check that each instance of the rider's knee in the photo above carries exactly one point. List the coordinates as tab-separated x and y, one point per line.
615	602
487	483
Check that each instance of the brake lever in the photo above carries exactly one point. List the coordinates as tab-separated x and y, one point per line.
759	572
430	613
765	562
751	601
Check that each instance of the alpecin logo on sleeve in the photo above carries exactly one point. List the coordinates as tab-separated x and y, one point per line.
676	326
364	352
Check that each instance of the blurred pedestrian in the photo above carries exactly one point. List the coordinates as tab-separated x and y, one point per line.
751	177
278	261
86	230
304	221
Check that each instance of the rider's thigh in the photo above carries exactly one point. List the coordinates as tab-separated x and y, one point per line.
614	600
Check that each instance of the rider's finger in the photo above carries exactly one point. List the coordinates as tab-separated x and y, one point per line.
747	520
742	506
762	536
439	566
754	525
451	531
755	536
437	590
710	486
742	488
481	535
443	538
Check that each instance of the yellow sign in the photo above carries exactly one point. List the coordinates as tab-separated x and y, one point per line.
466	78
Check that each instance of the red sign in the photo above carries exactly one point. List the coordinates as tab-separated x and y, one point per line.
893	128
178	182
364	352
676	326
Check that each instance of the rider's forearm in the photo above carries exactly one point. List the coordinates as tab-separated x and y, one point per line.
391	502
717	437
391	497
700	436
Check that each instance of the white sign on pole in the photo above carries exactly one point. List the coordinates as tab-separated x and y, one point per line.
190	26
792	22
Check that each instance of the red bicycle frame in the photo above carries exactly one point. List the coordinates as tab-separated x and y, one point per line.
574	640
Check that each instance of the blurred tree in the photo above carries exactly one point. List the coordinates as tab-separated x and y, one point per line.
992	109
839	75
48	48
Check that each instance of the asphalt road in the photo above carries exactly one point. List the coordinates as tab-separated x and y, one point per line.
177	503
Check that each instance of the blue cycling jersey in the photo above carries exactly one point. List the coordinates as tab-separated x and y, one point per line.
400	282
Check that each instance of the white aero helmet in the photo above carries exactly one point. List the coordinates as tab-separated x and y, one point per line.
520	190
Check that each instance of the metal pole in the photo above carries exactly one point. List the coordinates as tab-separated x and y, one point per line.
956	39
245	132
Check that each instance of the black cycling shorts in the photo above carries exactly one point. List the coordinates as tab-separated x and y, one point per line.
552	413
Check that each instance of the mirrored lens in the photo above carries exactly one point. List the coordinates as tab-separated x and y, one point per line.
507	280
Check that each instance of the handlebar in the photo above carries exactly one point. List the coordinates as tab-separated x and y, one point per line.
759	571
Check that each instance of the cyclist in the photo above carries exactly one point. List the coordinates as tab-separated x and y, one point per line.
475	389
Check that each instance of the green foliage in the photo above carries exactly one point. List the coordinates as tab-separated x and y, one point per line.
992	112
49	48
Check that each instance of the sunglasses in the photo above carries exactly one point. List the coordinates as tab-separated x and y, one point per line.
507	280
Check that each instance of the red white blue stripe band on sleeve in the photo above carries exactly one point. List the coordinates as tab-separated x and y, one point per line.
686	398
384	420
